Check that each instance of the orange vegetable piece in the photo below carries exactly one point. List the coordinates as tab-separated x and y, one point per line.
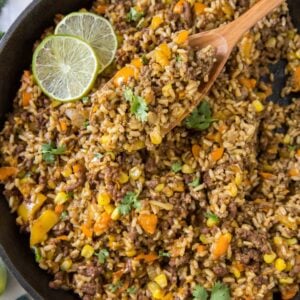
298	153
196	150
6	172
137	62
267	176
248	83
199	8
178	8
26	97
296	79
284	220
200	249
217	154
148	222
147	257
289	292
117	275
181	37
294	172
63	125
77	168
101	9
221	245
102	223
62	238
86	231
123	75
59	209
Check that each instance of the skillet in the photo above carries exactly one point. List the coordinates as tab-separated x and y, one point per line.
15	56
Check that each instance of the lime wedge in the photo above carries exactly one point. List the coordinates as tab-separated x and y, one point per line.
94	30
65	67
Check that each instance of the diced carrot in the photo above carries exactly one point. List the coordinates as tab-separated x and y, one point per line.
293	172
62	238
77	168
147	257
86	231
137	62
267	176
181	37
63	125
217	154
296	79
178	8
196	150
26	97
123	75
148	222
284	220
59	209
101	9
248	82
6	172
102	223
199	8
200	249
214	137
222	128
221	245
298	153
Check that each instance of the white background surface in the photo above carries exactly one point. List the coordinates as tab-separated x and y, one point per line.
8	14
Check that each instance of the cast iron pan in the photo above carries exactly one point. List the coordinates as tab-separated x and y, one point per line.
15	56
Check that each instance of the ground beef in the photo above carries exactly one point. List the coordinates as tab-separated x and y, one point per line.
90	271
220	271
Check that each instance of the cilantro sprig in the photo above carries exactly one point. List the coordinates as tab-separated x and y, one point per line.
212	216
176	167
131	290
219	292
195	182
162	253
138	105
37	253
200	118
49	151
134	15
102	256
129	201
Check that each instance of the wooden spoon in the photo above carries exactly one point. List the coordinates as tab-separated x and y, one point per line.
224	39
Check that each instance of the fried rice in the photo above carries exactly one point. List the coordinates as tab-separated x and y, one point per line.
195	208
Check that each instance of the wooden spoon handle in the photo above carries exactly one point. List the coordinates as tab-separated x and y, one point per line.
235	30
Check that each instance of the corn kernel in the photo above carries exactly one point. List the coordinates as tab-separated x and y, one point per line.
67	171
123	178
280	264
178	187
278	240
287	280
161	280
155	290
61	198
235	271
269	258
258	106
87	251
155	137
115	214
66	264
105	140
203	239
181	37
167	90
131	253
287	139
238	178
186	169
156	22
232	189
109	208
135	173
103	198
51	184
271	43
292	241
159	187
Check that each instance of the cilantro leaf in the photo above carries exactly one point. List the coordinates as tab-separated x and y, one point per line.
86	124
138	105
199	293
145	60
195	182
220	292
161	253
200	118
212	216
134	15
102	255
292	148
176	167
98	155
49	151
115	286
129	201
131	290
85	100
64	215
37	253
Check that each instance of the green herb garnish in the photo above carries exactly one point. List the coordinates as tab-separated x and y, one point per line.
64	215
86	124
129	201
131	290
115	286
85	100
102	255
292	148
98	155
176	167
138	105
195	182
145	60
178	58
37	254
212	216
49	151
220	292
162	253
200	118
199	293
134	15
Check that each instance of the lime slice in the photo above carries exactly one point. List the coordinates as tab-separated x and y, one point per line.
94	30
65	67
